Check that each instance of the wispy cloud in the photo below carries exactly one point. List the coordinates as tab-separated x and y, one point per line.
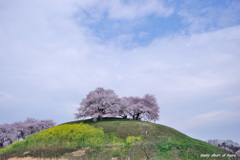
233	99
219	115
5	96
207	15
209	119
125	10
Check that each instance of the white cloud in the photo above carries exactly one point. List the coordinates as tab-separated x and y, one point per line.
120	10
62	60
133	9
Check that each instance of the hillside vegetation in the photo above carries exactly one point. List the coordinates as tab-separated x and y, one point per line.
110	138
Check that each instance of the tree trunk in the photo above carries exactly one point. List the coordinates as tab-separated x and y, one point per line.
133	117
99	118
137	117
1	145
124	117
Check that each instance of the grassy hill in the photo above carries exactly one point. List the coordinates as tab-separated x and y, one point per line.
111	138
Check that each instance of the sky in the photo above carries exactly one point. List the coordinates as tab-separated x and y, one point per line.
186	53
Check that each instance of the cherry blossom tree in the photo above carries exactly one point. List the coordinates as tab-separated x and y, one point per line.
105	103
32	125
143	108
45	124
124	107
10	133
151	110
20	129
135	107
98	104
7	134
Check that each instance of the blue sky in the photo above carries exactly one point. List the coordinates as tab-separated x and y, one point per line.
186	53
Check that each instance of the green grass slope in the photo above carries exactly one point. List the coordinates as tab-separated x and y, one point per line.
111	138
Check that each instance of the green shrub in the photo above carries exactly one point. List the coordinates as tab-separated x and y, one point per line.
133	139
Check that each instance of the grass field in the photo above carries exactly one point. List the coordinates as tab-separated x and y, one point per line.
110	138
